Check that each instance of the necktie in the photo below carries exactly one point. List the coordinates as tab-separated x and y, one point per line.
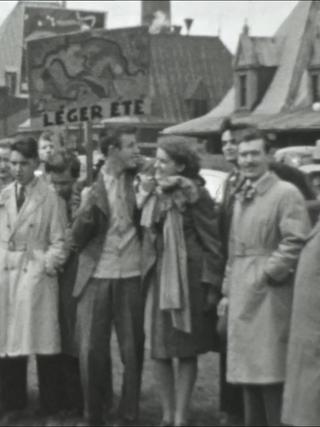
247	191
21	196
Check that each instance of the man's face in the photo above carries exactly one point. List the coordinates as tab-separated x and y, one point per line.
22	169
46	148
4	164
253	159
63	183
229	146
129	153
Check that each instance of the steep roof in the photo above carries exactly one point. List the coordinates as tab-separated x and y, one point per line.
290	49
294	37
256	51
177	65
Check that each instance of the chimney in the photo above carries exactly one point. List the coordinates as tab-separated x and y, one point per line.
188	22
176	29
151	7
246	28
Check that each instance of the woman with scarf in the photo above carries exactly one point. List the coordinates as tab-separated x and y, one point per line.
183	266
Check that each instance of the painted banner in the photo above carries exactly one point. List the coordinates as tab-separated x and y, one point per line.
42	22
88	76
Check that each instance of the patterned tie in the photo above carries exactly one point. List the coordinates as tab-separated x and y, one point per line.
247	191
21	196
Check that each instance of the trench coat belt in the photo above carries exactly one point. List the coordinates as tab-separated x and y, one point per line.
244	252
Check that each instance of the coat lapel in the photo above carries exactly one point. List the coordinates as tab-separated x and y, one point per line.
34	199
8	199
100	195
266	182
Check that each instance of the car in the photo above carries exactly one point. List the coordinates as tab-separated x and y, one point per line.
214	182
313	175
295	155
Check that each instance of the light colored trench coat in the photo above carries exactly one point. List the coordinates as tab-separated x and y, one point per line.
31	244
267	235
301	404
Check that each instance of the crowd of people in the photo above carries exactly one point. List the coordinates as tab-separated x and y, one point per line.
78	261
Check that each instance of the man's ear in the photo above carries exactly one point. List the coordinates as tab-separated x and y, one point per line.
112	150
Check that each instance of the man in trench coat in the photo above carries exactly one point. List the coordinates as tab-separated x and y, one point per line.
269	228
108	286
302	387
31	252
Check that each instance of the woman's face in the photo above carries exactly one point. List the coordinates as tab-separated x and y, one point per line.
165	166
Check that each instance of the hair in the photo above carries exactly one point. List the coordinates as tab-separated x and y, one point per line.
252	133
47	135
228	124
27	147
113	138
62	161
181	152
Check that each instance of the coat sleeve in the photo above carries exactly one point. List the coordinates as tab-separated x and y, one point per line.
294	227
56	253
206	223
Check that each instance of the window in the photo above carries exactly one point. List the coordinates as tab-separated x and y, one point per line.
243	90
11	82
200	107
315	88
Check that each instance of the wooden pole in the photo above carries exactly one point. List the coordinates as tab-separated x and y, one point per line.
89	150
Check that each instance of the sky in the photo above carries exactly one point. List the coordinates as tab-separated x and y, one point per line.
211	17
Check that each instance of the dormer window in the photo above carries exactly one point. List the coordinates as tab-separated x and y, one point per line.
11	82
314	72
243	88
255	64
315	92
197	98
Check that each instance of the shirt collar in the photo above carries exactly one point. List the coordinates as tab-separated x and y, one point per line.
27	187
113	168
264	182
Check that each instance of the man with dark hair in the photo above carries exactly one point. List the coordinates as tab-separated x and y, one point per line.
269	228
31	252
64	170
231	399
108	288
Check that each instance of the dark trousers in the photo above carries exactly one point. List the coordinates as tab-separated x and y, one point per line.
13	374
262	405
104	303
231	396
70	386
